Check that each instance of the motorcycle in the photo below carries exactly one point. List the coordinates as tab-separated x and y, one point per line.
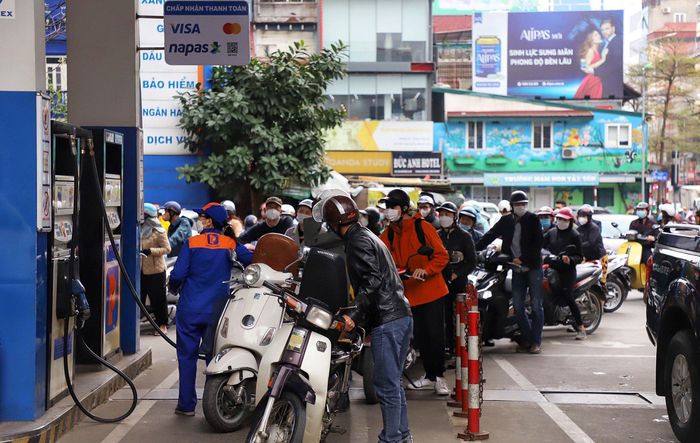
493	282
304	374
633	249
246	327
617	282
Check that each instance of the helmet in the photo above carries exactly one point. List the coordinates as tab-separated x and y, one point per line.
250	221
229	206
288	210
545	210
518	197
504	205
565	213
306	202
172	206
668	209
373	215
642	205
398	197
469	212
449	207
586	211
339	211
150	210
426	199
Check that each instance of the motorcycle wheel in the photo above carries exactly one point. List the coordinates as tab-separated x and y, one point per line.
221	411
286	423
368	377
615	295
591	310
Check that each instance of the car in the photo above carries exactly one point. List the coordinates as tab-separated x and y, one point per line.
672	302
613	229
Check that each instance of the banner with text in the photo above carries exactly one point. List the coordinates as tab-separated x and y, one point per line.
542	179
549	55
384	135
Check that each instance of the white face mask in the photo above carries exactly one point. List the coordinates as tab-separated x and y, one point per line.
425	212
519	210
302	217
562	224
582	220
446	221
364	222
273	214
393	215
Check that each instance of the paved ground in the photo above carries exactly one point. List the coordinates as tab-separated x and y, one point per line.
599	390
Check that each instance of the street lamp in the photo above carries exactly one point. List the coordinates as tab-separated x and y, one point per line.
645	142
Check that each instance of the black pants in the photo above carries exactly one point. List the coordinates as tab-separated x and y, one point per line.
568	281
153	287
429	336
456	287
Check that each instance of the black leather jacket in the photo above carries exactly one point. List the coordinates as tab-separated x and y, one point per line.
378	288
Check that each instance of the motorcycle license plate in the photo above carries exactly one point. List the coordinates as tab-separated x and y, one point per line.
296	340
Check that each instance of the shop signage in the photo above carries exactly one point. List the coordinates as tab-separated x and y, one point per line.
542	179
416	163
360	162
659	176
7	9
381	135
207	32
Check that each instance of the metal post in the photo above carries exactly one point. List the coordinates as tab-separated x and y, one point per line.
645	130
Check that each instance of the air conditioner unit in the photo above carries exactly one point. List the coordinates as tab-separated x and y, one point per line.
568	153
666	10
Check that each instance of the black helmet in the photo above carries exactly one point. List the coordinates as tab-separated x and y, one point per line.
642	205
373	215
449	207
340	210
398	197
518	197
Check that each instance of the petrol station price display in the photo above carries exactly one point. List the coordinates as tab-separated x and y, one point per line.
207	32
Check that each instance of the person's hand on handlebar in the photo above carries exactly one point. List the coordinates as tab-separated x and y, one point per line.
517	261
420	274
651	238
349	323
566	259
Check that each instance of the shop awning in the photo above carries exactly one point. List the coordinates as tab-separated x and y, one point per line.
433	184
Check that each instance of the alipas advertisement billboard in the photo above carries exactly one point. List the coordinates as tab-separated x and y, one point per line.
549	55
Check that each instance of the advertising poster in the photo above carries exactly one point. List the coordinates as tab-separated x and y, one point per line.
112	289
549	55
375	135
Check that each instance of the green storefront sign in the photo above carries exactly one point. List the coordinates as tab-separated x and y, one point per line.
542	179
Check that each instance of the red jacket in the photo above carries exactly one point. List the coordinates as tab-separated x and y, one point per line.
405	244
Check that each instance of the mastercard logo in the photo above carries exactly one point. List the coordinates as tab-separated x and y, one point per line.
232	28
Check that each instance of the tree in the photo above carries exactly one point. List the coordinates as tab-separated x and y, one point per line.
670	84
261	126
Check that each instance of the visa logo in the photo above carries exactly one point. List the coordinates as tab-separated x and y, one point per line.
185	28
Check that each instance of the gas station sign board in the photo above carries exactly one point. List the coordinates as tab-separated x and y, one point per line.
207	32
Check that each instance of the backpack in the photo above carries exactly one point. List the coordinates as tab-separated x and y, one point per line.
419	233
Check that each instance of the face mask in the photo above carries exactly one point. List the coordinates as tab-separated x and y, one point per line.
302	217
546	223
562	224
393	215
641	213
273	214
446	221
582	220
364	222
464	227
425	212
520	210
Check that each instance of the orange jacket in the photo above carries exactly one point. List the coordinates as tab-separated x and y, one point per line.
405	244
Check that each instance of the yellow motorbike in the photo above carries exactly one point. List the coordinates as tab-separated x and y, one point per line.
634	249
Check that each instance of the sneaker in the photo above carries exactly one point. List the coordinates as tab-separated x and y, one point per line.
535	349
581	334
179	411
441	386
420	384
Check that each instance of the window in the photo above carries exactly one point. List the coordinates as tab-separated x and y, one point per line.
475	135
606	197
617	135
679	17
542	135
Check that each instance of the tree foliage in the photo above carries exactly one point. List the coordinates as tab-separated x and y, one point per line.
261	126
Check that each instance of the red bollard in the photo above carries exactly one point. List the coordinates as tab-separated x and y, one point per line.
464	360
457	402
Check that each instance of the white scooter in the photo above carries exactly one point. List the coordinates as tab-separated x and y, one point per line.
304	373
245	330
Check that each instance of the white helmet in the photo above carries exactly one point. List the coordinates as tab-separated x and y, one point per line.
229	206
288	210
504	205
668	208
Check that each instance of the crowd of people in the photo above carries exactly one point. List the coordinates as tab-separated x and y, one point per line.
434	245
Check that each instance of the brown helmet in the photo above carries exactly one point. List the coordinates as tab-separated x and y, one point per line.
340	210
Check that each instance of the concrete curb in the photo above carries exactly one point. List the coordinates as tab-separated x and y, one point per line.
60	419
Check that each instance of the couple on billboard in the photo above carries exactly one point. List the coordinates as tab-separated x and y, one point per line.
601	60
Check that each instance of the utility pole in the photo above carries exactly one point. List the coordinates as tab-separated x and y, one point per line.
645	128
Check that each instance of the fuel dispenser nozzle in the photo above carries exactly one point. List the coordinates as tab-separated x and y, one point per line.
82	307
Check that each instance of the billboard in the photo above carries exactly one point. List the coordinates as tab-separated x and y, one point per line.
549	55
384	135
462	7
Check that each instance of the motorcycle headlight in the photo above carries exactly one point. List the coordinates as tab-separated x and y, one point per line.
251	275
319	317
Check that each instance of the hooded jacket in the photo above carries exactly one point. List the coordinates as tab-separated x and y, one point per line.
178	233
591	241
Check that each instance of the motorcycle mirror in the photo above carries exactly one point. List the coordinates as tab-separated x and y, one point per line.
426	250
614	224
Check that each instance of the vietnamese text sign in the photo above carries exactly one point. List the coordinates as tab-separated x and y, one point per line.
7	9
542	179
573	55
416	163
207	32
359	162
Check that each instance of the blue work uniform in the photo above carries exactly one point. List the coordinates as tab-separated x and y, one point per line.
202	269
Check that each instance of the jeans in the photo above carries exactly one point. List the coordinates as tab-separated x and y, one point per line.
531	331
389	348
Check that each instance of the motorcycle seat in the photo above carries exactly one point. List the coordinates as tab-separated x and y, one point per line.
583	272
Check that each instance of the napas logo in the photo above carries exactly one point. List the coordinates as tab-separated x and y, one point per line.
194	48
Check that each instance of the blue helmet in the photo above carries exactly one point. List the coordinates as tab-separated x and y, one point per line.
150	210
469	212
172	206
